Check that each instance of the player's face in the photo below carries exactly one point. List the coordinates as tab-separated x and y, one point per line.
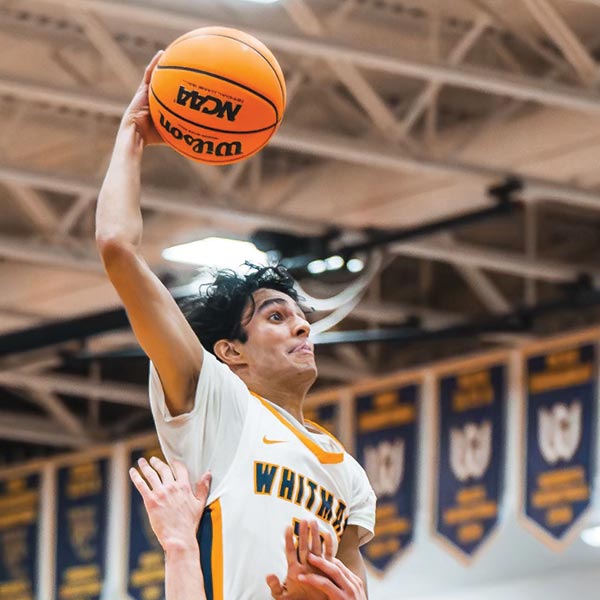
278	343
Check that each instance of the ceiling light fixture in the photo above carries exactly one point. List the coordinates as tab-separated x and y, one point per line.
591	536
222	253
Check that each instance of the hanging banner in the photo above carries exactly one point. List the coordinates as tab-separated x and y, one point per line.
471	409
560	434
19	527
326	415
386	446
146	558
81	524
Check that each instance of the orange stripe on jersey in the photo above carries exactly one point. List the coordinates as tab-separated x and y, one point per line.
323	430
326	458
216	558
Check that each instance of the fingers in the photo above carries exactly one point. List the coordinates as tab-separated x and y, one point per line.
163	469
327	545
151	66
303	532
322	584
277	590
180	471
140	484
150	474
290	548
203	488
315	539
334	570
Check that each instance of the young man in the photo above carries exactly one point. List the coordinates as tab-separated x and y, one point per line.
226	390
174	511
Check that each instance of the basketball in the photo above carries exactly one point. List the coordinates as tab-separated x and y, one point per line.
217	95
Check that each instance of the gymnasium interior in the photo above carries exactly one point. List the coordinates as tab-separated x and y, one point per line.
434	189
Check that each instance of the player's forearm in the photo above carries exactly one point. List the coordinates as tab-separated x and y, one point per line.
118	214
183	574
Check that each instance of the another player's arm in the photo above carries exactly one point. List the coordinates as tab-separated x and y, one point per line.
174	511
157	322
349	553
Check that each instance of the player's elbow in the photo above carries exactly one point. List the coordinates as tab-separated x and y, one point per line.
113	249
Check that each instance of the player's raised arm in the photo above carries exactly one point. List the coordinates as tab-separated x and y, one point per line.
158	323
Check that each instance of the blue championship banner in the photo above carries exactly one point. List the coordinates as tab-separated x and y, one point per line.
146	558
19	526
325	416
386	446
81	529
471	415
560	434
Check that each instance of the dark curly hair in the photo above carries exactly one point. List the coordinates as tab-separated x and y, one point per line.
216	312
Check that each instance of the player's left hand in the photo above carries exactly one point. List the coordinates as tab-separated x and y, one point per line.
309	542
173	508
338	582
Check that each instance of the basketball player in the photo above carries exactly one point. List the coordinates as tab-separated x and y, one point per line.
174	512
226	390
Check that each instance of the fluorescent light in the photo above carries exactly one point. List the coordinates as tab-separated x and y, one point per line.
221	253
334	262
355	265
591	536
317	266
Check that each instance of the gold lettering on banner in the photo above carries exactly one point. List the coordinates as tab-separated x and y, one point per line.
474	390
18	589
551	381
393	417
561	477
559	516
393	527
472	504
386	399
472	532
81	581
377	549
557	491
563	369
483	511
84	480
19	508
388	523
151	569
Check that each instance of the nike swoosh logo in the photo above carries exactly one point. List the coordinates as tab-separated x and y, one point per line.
266	440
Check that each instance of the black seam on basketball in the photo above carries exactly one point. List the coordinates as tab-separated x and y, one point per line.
228	37
206	126
237	83
257	52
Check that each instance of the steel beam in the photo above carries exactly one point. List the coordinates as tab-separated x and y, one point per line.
564	37
176	203
363	152
494	260
36	430
71	385
515	86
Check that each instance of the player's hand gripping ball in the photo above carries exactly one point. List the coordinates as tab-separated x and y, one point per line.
217	95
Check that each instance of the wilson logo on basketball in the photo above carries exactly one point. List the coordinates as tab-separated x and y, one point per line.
207	104
200	146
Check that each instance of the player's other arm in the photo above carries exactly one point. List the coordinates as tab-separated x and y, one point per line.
174	511
349	554
157	322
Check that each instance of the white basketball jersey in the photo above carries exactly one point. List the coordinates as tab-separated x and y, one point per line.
278	473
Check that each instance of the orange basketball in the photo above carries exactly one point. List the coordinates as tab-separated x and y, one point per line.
217	95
